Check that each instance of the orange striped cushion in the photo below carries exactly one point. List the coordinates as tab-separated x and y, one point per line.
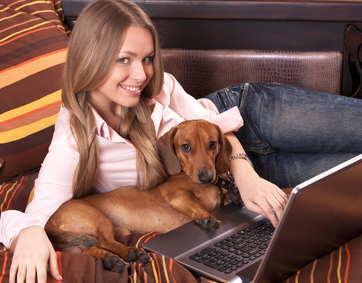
342	265
15	193
33	45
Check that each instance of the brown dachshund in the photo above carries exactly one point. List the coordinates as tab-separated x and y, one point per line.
91	224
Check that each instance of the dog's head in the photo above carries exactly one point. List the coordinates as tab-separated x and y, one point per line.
196	147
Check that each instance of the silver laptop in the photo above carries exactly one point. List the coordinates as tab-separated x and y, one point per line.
322	214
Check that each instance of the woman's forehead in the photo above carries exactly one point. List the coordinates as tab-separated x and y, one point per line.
137	40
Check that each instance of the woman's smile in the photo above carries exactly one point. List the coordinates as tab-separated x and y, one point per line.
133	90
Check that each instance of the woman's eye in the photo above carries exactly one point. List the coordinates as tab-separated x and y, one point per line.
185	147
148	60
213	144
123	60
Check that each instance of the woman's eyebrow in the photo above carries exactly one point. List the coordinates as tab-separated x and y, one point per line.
135	54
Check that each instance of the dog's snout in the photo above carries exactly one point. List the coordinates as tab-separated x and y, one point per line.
206	177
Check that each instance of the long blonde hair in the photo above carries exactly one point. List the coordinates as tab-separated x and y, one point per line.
95	42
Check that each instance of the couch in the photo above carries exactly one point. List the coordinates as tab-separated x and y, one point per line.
207	46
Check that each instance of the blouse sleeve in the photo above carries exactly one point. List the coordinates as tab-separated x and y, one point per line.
52	187
189	108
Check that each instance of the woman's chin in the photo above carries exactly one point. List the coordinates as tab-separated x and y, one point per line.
131	102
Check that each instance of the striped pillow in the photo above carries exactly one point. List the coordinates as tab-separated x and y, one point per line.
15	194
33	45
341	265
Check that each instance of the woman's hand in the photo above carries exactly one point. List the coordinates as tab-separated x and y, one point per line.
263	197
32	254
258	195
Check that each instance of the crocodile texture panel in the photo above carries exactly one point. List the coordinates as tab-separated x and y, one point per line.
201	72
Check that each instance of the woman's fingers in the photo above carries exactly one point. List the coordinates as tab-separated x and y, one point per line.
53	266
277	204
15	274
32	273
267	200
264	210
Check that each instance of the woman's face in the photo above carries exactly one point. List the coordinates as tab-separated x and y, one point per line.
132	71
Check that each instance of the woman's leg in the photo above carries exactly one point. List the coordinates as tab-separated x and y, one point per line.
287	170
291	133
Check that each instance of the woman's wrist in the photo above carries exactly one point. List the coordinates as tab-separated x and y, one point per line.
13	242
241	155
241	171
240	167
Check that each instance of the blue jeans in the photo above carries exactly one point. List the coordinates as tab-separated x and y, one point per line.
292	134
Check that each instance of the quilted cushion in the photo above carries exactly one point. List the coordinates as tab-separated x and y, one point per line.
33	44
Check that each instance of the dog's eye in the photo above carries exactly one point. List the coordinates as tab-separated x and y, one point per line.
213	144
185	147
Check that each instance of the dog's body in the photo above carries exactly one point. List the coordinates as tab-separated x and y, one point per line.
93	222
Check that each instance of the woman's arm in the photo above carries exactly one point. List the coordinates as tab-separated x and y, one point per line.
259	195
24	232
33	252
52	188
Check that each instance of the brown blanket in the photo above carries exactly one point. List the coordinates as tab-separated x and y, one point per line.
85	268
342	265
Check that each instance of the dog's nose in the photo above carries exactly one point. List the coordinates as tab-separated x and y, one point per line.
206	177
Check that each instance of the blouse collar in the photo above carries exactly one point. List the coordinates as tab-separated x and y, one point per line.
103	130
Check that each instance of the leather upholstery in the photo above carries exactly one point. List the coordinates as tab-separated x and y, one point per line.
201	72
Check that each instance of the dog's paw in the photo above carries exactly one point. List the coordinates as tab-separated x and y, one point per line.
208	223
138	256
114	263
234	196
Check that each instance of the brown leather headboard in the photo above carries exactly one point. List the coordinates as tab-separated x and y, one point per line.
201	72
209	45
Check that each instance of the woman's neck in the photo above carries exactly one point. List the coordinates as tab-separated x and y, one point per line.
110	112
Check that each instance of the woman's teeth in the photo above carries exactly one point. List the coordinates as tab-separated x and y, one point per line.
132	88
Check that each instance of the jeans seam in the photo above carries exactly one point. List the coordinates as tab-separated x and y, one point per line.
246	92
259	139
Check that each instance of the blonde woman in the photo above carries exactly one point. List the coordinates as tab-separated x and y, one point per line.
116	102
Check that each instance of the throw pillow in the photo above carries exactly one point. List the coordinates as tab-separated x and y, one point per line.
33	45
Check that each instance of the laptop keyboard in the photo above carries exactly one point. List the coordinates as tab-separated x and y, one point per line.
237	250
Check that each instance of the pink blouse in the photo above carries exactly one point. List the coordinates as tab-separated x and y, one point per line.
117	166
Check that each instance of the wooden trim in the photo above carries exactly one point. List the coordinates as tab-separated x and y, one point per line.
255	10
336	11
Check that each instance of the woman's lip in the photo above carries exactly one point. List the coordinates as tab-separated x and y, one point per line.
132	89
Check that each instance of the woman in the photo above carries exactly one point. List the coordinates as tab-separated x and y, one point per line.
117	101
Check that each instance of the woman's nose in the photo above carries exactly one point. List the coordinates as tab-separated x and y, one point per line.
138	72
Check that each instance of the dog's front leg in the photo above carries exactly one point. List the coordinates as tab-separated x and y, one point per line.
185	202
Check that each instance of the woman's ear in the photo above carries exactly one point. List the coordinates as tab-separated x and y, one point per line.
166	151
222	160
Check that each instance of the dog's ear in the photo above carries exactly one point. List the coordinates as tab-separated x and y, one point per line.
222	160
167	153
